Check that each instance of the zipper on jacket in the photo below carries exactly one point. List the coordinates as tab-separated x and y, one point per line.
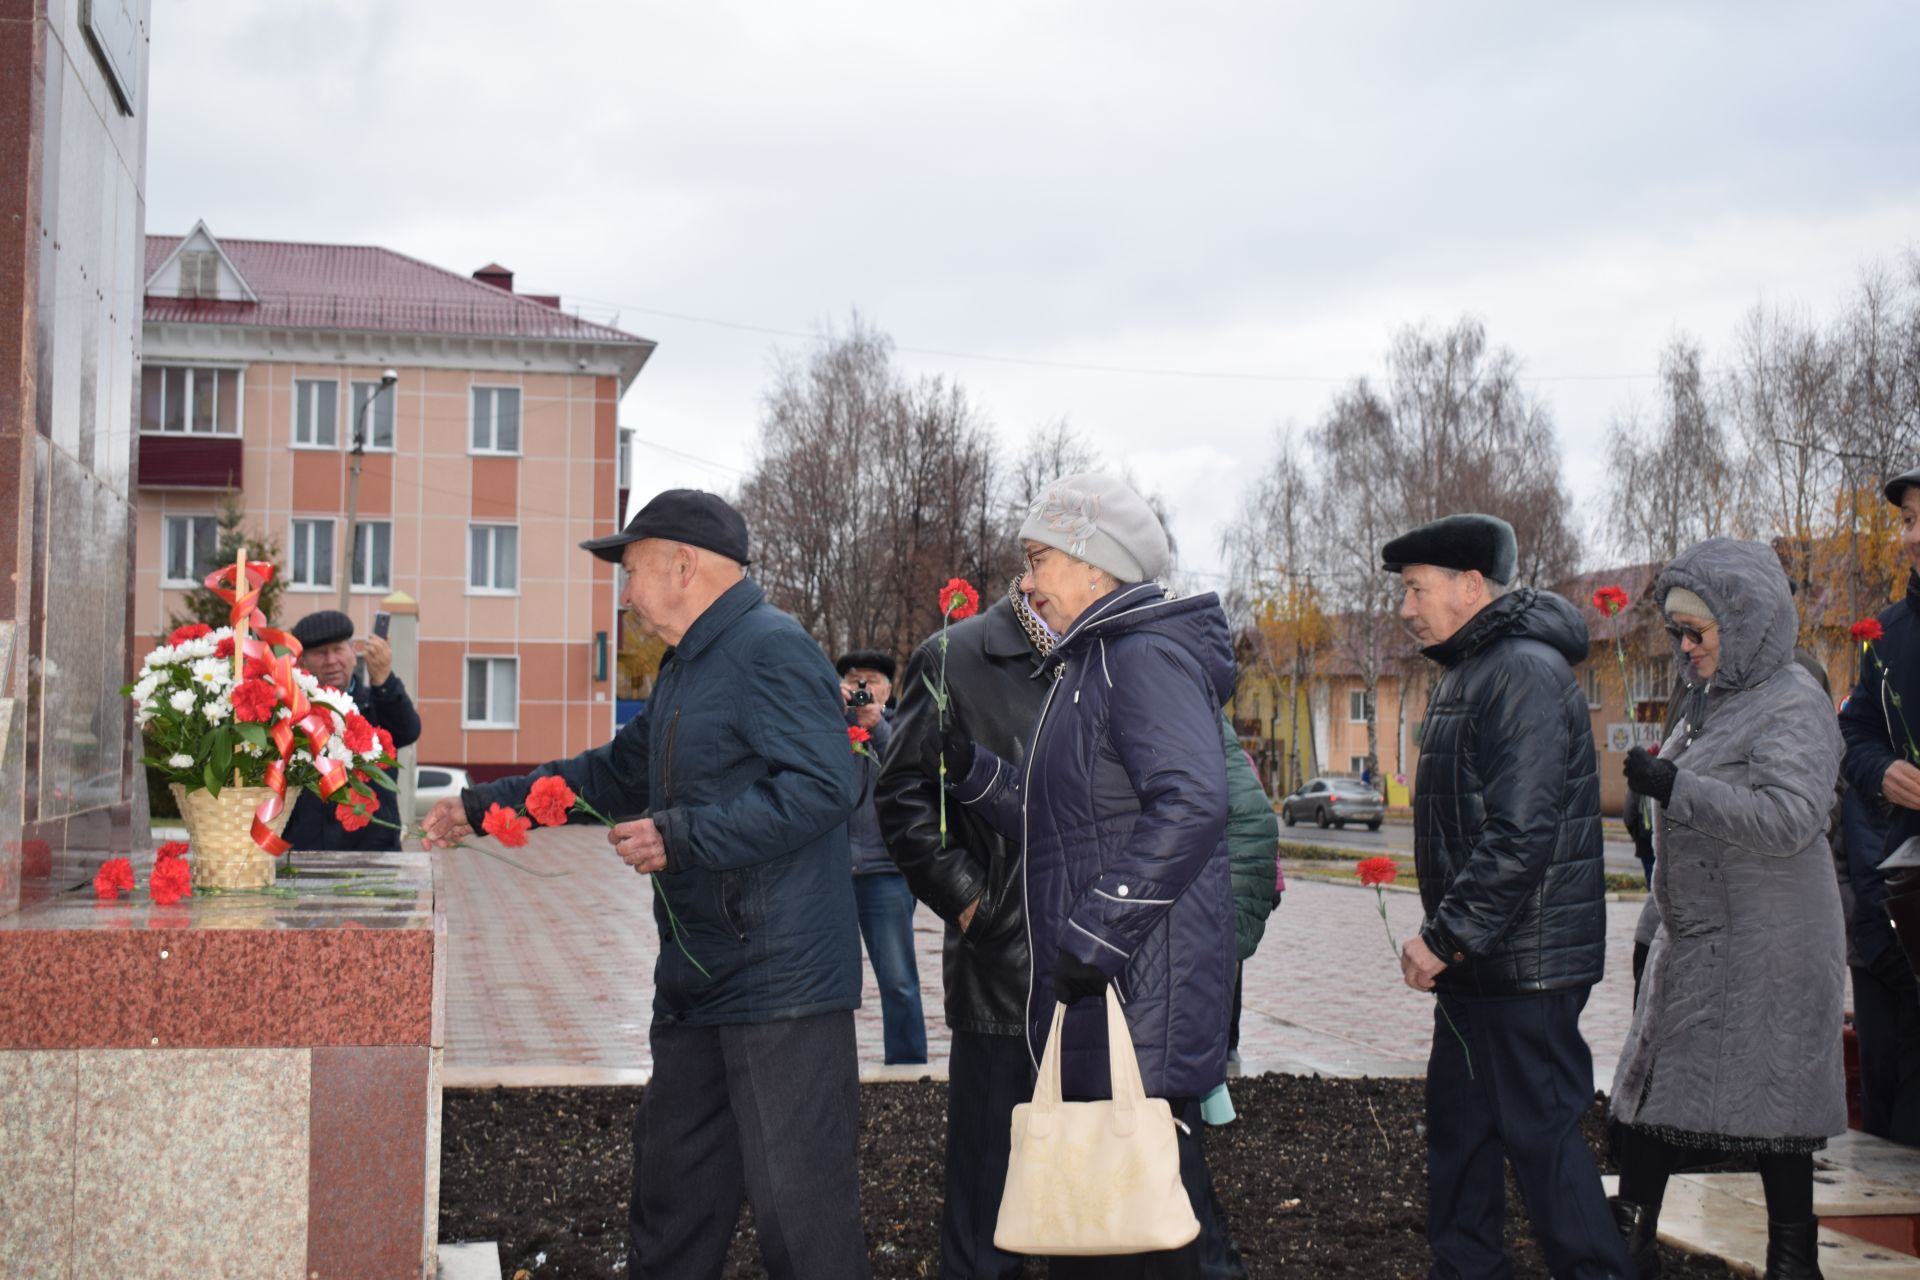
1026	797
666	762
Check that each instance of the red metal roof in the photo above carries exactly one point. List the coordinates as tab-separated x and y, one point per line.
361	287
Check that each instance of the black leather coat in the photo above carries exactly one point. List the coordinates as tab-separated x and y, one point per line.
990	670
1506	805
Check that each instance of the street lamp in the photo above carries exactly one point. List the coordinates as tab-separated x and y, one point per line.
387	379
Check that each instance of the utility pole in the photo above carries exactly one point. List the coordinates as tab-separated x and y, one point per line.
387	379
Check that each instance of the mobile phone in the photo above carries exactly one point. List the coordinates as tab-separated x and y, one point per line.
381	621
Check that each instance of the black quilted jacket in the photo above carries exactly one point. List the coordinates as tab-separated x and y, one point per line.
1506	805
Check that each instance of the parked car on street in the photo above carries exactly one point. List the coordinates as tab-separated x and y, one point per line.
433	783
1334	802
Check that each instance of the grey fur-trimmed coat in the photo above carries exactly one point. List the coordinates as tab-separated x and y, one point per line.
1737	1032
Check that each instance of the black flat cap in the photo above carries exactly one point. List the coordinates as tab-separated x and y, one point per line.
1897	487
322	628
867	659
1469	541
693	516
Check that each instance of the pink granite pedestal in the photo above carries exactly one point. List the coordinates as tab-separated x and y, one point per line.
238	1085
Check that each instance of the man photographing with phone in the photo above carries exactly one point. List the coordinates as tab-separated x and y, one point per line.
330	657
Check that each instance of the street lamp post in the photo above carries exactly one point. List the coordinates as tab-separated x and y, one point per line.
387	379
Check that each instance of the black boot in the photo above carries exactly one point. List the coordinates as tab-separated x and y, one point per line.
1637	1228
1793	1253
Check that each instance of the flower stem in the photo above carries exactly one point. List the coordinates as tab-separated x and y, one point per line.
673	922
1913	753
1393	946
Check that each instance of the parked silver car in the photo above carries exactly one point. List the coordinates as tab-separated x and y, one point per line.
1334	802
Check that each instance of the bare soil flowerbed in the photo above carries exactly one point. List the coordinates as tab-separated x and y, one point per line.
1321	1178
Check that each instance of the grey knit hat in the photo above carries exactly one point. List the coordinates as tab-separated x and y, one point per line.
1102	521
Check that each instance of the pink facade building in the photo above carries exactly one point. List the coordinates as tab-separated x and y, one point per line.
495	452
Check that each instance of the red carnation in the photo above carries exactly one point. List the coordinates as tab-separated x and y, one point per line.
254	700
192	631
352	816
958	599
359	734
550	801
1610	600
170	850
114	878
856	733
387	749
1378	871
171	881
223	647
1867	630
506	825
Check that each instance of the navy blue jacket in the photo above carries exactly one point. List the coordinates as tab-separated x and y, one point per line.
742	760
312	824
1875	732
1123	803
868	842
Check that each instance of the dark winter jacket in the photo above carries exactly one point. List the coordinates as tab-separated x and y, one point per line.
1122	800
992	667
1506	805
312	824
742	760
1876	735
864	837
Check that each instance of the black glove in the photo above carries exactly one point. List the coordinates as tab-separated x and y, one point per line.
951	743
1650	775
1075	979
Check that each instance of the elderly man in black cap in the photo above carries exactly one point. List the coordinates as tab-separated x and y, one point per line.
329	656
734	791
1507	845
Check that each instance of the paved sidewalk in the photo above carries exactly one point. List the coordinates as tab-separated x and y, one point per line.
549	980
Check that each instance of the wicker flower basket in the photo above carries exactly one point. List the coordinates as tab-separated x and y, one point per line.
221	828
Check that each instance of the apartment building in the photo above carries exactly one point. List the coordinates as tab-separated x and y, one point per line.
493	453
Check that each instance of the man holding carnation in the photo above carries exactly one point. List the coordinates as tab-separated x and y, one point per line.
733	792
385	714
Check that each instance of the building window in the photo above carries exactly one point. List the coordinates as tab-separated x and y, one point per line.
200	274
190	549
1356	765
1591	683
373	555
623	464
175	400
496	420
311	552
379	425
493	558
1357	706
493	693
315	413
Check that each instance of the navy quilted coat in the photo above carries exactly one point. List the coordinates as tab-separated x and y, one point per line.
1122	806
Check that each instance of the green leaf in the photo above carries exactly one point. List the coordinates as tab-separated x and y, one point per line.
254	733
380	779
222	761
939	698
211	778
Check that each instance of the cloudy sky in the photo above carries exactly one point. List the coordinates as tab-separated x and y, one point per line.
1177	227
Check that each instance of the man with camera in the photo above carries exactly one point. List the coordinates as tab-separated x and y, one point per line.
880	892
329	656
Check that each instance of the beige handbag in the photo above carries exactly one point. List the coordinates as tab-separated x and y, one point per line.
1094	1177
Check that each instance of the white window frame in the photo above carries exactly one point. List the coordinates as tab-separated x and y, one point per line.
355	585
493	426
492	556
167	523
466	690
384	403
333	559
302	385
1356	706
1356	765
1591	685
193	371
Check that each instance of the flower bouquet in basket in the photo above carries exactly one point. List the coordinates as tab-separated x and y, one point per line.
232	724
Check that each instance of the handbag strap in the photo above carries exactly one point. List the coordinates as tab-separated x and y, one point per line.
1123	1065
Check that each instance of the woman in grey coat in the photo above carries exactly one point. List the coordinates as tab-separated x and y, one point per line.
1735	1044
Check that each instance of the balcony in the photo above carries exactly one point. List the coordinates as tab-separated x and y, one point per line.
200	461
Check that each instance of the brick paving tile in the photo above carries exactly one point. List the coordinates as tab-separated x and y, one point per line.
549	979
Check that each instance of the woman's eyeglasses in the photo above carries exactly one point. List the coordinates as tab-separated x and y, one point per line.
1693	635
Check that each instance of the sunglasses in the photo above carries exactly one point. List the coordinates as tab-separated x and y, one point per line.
1694	635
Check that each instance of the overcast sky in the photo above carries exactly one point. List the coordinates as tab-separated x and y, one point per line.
1251	189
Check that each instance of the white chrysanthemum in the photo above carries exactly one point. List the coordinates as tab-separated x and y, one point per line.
217	711
143	687
306	680
337	702
164	655
200	647
179	760
182	700
245	747
143	716
302	756
337	750
283	712
212	673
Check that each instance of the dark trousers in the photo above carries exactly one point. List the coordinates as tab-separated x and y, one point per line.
768	1113
886	905
1531	1082
1886	1020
